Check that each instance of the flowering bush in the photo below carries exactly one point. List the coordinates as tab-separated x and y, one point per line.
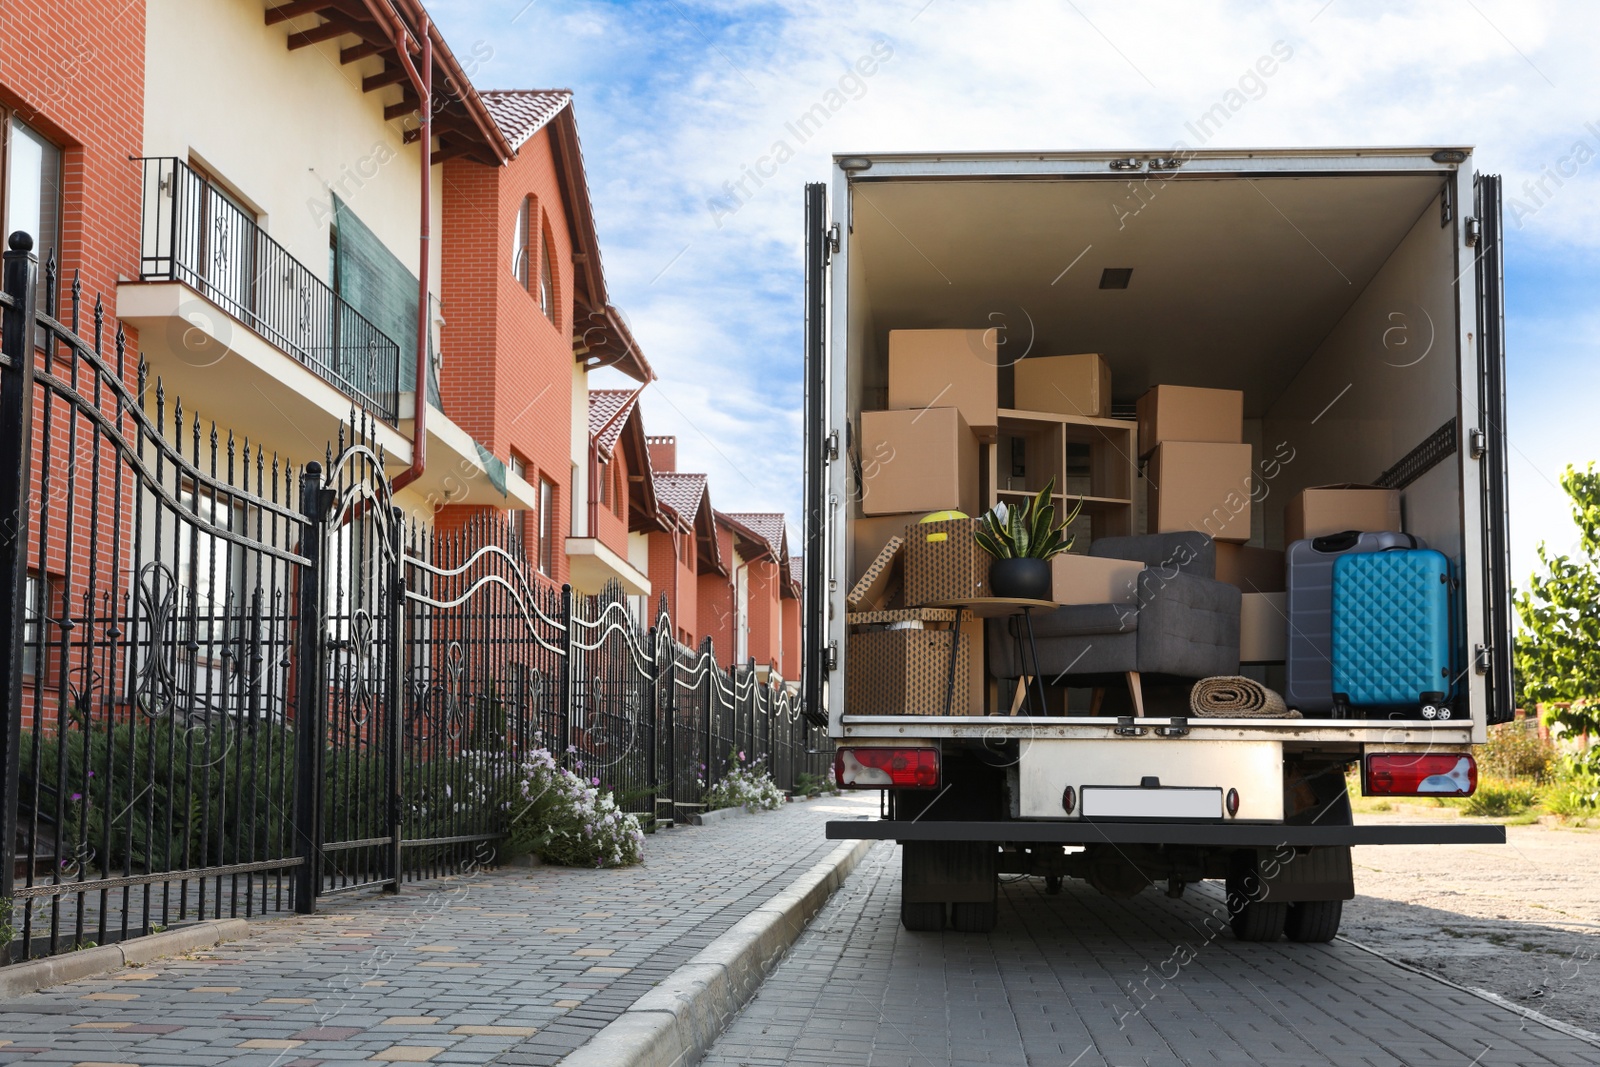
566	819
750	788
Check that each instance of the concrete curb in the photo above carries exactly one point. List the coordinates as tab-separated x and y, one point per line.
709	818
676	1022
31	976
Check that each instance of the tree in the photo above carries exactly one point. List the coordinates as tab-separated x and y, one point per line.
1558	647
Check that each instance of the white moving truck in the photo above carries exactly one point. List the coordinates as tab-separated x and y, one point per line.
1354	297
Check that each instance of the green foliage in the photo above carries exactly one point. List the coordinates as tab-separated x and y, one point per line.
1499	797
1028	530
1575	794
1516	751
750	788
1557	650
567	820
807	784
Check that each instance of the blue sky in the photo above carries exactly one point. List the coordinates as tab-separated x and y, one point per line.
677	98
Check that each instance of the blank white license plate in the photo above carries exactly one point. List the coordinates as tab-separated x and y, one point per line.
1136	802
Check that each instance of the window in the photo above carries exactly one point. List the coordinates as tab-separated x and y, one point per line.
616	491
517	465
519	244
547	526
226	256
39	595
209	565
33	191
547	276
603	477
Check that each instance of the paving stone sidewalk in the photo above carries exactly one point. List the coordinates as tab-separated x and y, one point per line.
1082	980
514	967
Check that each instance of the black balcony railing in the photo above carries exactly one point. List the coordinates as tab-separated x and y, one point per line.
193	232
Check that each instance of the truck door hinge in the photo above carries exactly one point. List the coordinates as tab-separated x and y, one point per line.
1178	727
832	234
1480	658
1125	727
1473	230
830	447
1477	443
833	655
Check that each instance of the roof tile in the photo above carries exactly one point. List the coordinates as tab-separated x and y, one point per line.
521	113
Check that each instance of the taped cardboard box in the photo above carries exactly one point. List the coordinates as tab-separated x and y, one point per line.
1330	509
869	534
1202	486
874	588
1094	580
944	564
947	368
1187	413
918	461
906	672
1070	385
1263	627
1251	569
971	677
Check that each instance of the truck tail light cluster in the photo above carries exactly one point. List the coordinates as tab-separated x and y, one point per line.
887	768
1410	774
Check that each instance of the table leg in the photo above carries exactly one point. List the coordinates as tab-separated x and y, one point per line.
955	653
1024	691
1033	647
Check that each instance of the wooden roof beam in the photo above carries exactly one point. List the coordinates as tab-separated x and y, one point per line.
328	31
285	12
390	75
359	51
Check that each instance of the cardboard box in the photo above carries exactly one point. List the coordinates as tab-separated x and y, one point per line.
944	368
1071	385
1185	413
906	672
1252	570
1263	627
869	534
1201	486
944	564
1330	509
874	588
1094	580
918	461
976	681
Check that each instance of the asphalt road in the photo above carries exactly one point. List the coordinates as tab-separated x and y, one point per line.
1081	980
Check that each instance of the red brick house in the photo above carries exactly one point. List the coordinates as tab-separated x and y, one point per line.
769	585
622	509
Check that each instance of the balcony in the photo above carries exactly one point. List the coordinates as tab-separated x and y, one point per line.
194	233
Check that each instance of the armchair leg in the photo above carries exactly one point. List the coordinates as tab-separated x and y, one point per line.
1021	694
1096	699
1136	693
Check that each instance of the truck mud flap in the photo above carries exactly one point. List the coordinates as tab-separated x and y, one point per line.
1225	835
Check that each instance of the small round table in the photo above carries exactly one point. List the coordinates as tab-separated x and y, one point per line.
998	607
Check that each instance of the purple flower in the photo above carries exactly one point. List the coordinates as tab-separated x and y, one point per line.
77	796
741	755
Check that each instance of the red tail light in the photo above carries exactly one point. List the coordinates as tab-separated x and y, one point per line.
887	768
1408	774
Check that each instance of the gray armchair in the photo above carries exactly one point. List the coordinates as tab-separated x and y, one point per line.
1184	623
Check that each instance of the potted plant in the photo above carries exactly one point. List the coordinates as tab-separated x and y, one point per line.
1022	538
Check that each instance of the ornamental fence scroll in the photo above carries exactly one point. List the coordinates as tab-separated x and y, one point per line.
234	684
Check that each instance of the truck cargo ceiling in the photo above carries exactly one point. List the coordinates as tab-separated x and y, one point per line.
1240	278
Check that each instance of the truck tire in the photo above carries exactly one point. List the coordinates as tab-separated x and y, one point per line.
1313	921
922	918
1258	920
969	918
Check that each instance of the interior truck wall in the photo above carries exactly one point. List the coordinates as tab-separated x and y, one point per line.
1383	381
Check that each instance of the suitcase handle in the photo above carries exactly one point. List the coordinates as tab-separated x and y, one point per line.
1344	542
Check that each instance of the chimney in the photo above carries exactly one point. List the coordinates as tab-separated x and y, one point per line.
663	454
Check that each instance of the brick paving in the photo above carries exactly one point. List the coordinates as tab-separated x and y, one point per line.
514	967
1080	980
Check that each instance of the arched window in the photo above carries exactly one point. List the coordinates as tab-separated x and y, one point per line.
547	275
519	244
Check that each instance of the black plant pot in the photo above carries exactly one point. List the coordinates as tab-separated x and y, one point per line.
1024	579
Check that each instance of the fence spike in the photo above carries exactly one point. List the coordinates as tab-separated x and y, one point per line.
49	306
122	350
99	316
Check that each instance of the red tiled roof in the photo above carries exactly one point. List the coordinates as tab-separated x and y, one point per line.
608	414
797	569
682	493
769	526
521	113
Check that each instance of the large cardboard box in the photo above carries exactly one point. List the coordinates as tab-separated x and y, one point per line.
1253	570
945	368
1330	509
943	563
1187	413
918	461
907	672
1071	385
1263	627
1094	580
869	534
1201	486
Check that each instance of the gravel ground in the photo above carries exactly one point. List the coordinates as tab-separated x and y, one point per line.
1521	920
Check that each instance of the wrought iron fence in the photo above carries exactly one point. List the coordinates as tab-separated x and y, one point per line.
234	685
193	231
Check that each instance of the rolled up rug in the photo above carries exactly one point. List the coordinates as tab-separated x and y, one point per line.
1235	697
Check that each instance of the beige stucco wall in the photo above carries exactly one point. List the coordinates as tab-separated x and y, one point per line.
286	129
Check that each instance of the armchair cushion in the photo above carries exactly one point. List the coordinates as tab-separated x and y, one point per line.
1189	626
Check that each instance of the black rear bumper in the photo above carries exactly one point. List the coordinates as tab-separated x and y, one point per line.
1225	835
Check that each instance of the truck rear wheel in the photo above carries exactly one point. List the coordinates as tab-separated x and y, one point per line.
1313	921
922	918
1251	919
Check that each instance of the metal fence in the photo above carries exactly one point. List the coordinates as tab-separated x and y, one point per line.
234	685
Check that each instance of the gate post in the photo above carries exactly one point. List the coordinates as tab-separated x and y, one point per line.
564	681
708	663
16	441
396	694
311	692
652	690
